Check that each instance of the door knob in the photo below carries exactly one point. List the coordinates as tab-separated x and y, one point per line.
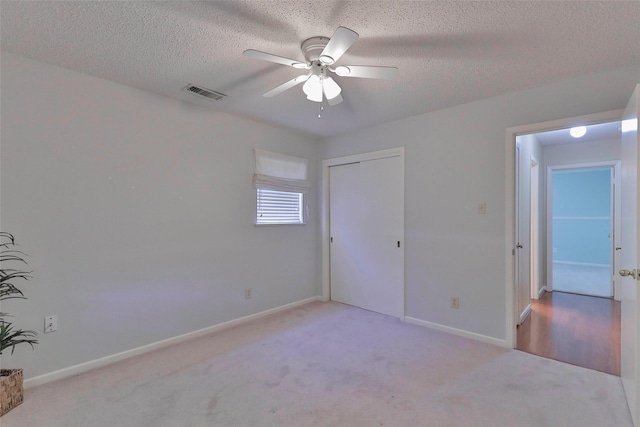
518	246
632	273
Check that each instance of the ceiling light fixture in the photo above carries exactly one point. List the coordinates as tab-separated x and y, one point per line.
318	84
313	88
330	88
578	131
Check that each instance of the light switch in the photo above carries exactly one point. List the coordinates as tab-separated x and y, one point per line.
482	208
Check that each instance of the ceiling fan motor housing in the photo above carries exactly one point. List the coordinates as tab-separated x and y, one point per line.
313	47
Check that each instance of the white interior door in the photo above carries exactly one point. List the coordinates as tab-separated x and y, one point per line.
516	251
629	258
523	228
366	220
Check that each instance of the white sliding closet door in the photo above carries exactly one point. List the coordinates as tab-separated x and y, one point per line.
366	219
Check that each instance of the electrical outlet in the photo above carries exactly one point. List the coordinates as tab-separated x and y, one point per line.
454	302
248	293
50	324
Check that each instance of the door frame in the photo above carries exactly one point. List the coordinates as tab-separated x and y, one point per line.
534	229
326	164
510	196
615	166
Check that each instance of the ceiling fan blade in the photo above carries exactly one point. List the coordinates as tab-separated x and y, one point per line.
335	101
274	58
288	85
340	41
367	72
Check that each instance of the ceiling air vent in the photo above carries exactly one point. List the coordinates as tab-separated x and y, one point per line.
207	93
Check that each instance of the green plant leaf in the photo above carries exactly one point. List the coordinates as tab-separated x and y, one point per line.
10	337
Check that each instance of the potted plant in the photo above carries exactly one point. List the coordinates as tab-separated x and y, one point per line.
11	388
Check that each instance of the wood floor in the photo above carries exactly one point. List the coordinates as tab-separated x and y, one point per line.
576	329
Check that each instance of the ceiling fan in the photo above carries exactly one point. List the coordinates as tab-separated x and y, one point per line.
321	54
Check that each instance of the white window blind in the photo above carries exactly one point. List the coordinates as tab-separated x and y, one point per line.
280	207
281	183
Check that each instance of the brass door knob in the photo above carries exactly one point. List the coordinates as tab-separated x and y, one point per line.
632	273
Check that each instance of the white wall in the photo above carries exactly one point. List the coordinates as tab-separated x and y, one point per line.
137	214
581	152
455	158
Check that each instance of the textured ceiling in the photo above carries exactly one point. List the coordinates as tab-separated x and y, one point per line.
447	53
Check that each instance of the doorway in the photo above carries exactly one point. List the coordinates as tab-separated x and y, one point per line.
581	223
579	230
525	256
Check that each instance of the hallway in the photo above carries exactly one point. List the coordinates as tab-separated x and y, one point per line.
577	329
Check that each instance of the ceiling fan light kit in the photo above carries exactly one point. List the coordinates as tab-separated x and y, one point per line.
320	53
313	89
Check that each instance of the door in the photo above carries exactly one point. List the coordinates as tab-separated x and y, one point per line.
366	223
520	309
629	260
523	230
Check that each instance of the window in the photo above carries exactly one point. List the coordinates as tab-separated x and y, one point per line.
280	207
281	184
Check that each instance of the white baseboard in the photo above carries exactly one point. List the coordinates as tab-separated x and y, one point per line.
108	360
542	291
455	331
525	313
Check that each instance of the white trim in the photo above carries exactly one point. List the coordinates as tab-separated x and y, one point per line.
542	291
525	314
326	164
510	209
108	360
616	195
534	228
582	218
582	264
458	332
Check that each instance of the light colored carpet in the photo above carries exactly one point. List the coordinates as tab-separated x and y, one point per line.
328	364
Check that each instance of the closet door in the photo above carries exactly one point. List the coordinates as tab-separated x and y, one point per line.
367	234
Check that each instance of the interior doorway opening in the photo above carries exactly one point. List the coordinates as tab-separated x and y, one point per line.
581	207
566	234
